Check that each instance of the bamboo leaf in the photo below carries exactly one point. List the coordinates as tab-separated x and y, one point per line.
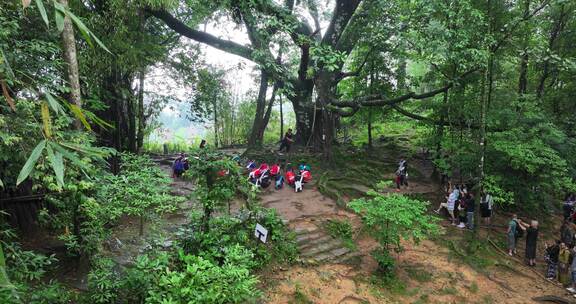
46	120
99	121
26	3
42	10
6	94
1	184
57	164
67	154
54	104
100	43
31	162
59	17
96	152
84	30
81	27
80	116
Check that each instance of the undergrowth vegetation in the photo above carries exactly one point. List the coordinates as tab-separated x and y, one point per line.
389	218
341	229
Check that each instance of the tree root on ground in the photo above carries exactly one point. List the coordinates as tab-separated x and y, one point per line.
552	299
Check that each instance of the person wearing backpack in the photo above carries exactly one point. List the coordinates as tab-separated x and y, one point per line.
178	166
515	231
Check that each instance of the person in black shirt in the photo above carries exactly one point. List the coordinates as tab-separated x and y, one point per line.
287	141
470	207
531	241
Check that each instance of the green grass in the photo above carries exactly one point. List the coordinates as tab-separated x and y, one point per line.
448	290
299	297
473	287
341	230
422	300
418	274
470	250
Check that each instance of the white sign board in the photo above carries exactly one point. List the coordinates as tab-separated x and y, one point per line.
261	233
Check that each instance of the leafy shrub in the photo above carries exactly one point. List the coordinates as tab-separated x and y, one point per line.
52	293
386	262
199	280
141	189
228	231
384	184
390	218
103	282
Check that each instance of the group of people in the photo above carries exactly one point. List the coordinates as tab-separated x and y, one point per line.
461	205
264	175
180	165
560	256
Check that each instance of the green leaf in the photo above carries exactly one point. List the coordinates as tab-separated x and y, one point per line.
1	184
80	116
86	33
81	26
59	17
69	155
97	120
42	10
54	104
31	162
57	164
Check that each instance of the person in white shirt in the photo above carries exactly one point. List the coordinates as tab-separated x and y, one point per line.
486	205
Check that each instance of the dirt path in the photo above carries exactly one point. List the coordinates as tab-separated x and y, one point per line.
125	243
427	271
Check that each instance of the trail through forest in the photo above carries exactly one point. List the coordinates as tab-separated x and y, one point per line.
332	273
329	271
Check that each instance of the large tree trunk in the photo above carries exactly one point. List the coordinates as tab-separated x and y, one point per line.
131	117
69	48
215	109
266	118
141	116
281	119
554	33
255	140
323	131
523	79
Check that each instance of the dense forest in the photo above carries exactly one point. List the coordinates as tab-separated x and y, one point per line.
100	96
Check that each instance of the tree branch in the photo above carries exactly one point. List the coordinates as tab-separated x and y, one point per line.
342	14
343	75
378	100
211	40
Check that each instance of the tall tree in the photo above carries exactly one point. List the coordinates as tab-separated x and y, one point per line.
70	57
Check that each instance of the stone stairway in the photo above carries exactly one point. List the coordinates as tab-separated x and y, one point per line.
316	246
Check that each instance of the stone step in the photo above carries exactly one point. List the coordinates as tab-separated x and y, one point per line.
323	247
314	242
343	259
304	239
332	254
301	230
